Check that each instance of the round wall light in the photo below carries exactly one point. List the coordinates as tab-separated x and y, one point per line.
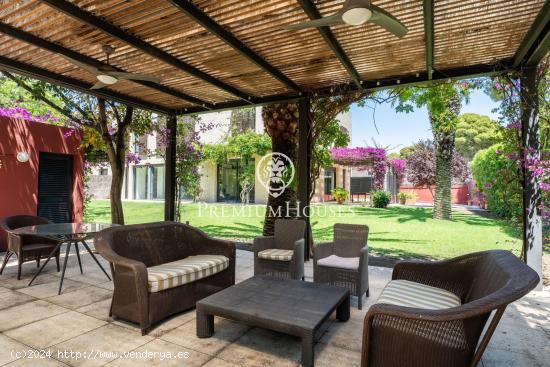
22	157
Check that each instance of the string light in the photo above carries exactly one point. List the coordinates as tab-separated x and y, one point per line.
378	83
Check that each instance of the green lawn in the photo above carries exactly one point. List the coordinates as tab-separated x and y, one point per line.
396	231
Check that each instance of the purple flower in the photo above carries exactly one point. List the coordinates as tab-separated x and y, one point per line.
133	158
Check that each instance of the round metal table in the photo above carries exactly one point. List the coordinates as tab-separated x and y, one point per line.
69	233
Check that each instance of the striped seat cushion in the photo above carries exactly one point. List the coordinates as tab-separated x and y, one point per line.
412	294
180	272
276	254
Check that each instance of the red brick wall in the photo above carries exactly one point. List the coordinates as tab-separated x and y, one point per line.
19	181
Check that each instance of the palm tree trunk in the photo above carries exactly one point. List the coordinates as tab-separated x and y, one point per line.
281	123
444	147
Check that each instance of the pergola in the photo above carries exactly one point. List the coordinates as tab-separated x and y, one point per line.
219	54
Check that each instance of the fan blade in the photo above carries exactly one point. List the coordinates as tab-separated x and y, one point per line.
88	68
131	76
321	22
387	21
98	85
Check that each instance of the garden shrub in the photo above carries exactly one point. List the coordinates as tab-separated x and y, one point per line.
496	176
380	199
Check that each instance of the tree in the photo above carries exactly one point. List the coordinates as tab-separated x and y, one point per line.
421	166
105	123
281	124
443	102
475	132
405	152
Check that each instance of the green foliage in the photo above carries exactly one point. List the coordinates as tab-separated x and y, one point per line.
245	145
340	194
497	177
380	199
405	152
475	132
404	196
13	96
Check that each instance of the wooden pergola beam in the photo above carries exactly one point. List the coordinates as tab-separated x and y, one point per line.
429	35
541	50
58	49
76	84
193	12
313	13
86	17
534	36
372	85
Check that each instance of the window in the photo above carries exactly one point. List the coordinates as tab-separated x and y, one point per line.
103	171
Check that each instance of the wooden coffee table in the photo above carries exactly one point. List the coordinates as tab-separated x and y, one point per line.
288	306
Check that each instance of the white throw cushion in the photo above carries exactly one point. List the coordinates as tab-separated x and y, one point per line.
333	261
412	294
276	254
180	272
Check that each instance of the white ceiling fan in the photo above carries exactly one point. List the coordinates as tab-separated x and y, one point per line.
108	75
356	13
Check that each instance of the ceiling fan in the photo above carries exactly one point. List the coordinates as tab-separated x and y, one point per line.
356	13
108	75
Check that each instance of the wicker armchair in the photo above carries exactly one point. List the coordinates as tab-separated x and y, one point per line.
344	262
482	282
139	254
26	248
282	255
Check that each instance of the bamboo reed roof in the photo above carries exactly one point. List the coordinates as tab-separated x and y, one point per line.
468	36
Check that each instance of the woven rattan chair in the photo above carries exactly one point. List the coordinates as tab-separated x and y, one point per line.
482	282
344	262
137	251
25	247
281	255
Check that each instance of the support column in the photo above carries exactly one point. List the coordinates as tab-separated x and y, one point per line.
170	169
304	166
532	221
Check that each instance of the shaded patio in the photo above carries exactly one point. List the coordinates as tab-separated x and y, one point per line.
37	318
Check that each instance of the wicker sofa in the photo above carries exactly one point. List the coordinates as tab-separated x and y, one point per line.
163	268
434	313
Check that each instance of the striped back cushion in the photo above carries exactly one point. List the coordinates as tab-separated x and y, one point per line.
412	294
276	254
180	272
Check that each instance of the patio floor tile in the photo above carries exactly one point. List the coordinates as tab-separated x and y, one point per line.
226	332
327	355
28	313
173	323
7	346
80	297
54	330
26	362
217	362
260	347
101	345
99	310
13	298
162	348
51	289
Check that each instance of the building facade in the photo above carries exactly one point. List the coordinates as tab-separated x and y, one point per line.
219	182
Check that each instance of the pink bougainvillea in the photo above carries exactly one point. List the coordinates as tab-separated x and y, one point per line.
363	158
399	167
24	114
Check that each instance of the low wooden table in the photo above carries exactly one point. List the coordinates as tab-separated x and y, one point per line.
288	306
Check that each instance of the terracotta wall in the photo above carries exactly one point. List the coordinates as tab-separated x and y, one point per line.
459	194
19	181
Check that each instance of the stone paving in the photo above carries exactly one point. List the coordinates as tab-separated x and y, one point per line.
35	319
